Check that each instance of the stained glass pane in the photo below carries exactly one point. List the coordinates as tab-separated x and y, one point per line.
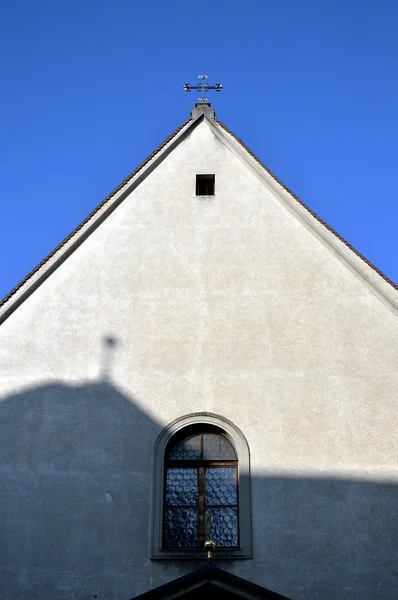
188	449
217	447
181	487
224	526
181	528
220	486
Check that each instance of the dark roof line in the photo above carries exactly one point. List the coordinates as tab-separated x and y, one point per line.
91	215
209	573
312	213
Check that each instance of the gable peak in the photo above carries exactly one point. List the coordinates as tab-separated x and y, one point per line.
202	108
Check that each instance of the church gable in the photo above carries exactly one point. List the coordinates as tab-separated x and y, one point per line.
217	140
201	292
168	260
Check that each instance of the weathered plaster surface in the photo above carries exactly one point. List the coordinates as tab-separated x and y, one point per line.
229	305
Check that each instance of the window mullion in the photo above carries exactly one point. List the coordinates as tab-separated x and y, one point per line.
201	506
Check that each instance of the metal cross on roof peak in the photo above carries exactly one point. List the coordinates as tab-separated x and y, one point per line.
203	87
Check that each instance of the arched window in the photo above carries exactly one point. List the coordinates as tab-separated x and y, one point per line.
201	495
202	489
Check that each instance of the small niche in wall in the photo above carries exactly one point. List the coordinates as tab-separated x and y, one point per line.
205	185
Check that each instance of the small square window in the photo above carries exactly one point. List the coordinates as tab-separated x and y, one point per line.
205	185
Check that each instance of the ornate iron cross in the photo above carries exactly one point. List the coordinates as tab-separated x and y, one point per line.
203	87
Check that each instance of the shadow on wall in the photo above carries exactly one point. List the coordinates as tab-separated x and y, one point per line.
75	465
75	495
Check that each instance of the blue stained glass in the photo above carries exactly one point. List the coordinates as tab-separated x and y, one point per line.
188	449
181	528
217	447
221	486
181	487
224	526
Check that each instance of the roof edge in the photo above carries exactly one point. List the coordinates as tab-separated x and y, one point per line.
209	573
333	240
65	248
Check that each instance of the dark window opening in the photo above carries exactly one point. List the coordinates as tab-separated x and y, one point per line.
205	185
201	491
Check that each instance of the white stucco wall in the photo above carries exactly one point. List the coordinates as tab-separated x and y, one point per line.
228	305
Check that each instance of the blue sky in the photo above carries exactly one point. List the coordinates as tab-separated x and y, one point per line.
90	88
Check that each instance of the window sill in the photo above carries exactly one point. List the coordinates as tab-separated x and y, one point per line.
220	553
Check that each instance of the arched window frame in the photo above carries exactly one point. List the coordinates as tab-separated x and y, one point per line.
244	496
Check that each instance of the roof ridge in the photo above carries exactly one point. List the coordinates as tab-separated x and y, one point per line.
312	213
15	289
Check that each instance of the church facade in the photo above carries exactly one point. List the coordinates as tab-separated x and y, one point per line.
202	359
